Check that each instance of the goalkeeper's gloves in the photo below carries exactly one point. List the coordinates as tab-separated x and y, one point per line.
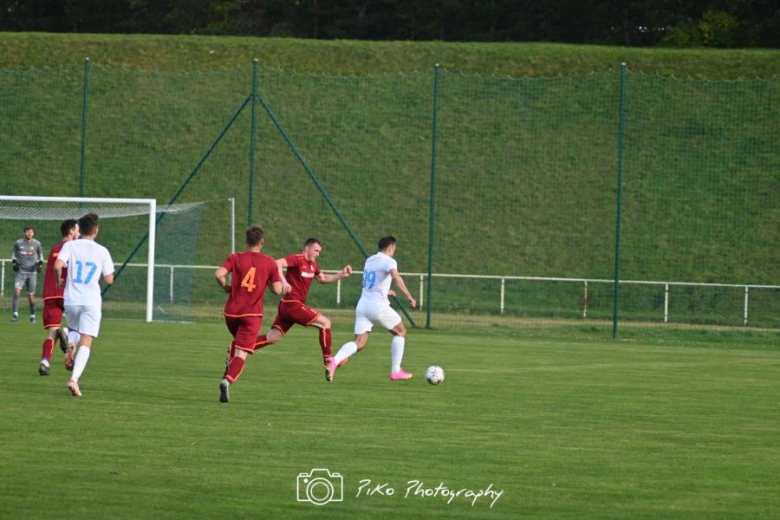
39	266
16	265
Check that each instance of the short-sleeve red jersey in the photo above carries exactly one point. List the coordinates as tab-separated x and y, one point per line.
251	274
50	288
300	273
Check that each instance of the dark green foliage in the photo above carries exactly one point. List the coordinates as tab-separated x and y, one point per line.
712	23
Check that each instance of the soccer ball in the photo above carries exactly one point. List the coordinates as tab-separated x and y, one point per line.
434	375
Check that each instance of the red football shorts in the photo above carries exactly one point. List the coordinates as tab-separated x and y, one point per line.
52	312
292	312
244	330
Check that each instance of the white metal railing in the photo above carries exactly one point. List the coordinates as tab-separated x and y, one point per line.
503	279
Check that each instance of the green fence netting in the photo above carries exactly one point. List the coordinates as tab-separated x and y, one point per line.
525	181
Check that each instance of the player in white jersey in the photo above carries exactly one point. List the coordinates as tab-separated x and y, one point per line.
86	261
374	309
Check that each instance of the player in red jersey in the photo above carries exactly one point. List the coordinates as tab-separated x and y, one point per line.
251	272
53	298
302	268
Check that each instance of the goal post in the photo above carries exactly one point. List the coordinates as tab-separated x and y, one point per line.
47	209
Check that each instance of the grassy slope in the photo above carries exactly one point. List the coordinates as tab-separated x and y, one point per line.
24	50
572	132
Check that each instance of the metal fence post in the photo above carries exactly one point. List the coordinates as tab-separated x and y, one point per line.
87	67
253	145
431	220
585	301
503	292
232	224
619	202
666	302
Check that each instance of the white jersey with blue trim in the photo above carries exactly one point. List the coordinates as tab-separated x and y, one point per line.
377	279
86	261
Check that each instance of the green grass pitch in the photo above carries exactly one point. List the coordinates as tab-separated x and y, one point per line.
564	425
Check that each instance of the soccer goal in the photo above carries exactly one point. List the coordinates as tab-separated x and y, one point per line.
45	213
156	249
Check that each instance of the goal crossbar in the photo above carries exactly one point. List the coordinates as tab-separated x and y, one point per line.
152	205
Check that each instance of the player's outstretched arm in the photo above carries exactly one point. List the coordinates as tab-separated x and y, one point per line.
329	278
221	275
401	285
276	287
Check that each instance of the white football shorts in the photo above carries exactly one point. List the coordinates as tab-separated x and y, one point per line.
84	319
368	314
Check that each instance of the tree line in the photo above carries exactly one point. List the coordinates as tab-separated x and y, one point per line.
680	23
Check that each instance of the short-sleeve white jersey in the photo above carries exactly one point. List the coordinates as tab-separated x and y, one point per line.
377	279
86	261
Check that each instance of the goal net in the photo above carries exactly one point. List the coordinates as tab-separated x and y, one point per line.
154	248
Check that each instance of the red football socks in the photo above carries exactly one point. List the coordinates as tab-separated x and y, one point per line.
48	347
325	343
234	369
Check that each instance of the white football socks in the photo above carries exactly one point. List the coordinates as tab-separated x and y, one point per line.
80	363
396	353
73	337
346	350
